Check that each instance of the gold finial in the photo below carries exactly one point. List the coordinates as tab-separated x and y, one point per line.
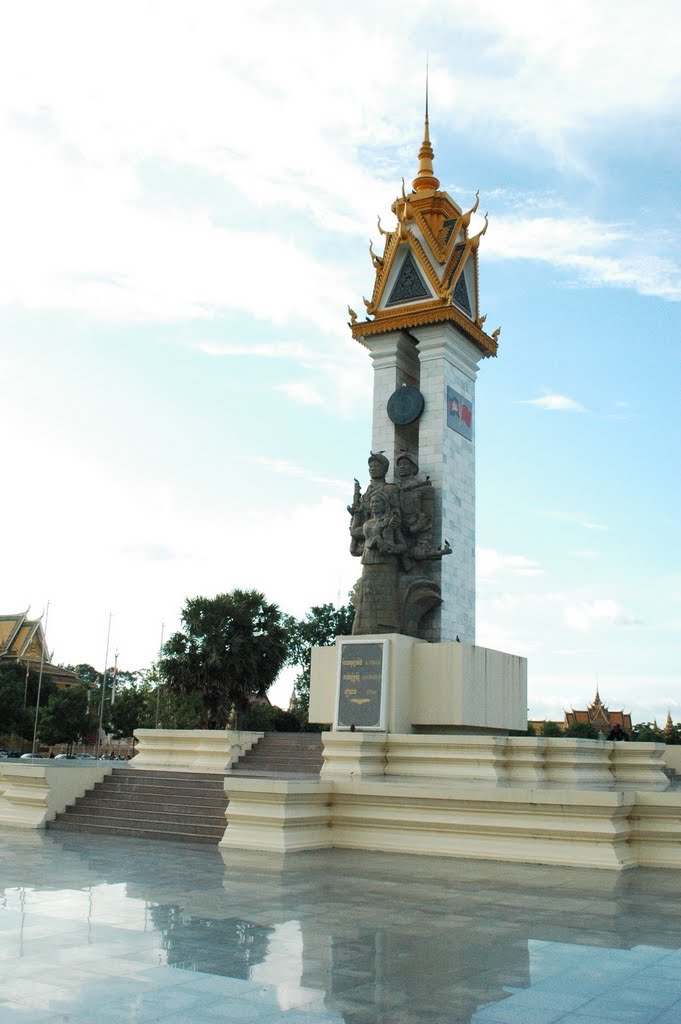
425	179
381	229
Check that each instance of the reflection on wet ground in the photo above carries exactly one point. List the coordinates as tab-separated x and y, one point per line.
122	930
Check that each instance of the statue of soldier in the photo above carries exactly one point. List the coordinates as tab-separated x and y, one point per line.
360	510
417	501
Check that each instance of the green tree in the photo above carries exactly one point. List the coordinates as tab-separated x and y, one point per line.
673	736
132	709
175	710
165	709
86	673
646	732
66	718
582	731
18	697
232	648
320	627
551	729
15	719
262	717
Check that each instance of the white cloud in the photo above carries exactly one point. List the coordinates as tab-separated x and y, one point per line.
561	70
554	402
584	616
81	140
577	520
600	253
493	564
285	468
293	350
302	392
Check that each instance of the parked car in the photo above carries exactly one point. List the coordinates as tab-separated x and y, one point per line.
85	757
26	757
65	757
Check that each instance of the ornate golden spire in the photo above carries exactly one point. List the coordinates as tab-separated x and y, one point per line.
425	179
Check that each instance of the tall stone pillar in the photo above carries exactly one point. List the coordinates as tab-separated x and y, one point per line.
450	360
395	363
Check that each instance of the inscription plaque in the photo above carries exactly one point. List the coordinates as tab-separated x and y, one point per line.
361	676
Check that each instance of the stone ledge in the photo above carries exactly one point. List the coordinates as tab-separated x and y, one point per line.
31	794
600	829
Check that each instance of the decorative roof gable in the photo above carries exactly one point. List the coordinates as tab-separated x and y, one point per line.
429	268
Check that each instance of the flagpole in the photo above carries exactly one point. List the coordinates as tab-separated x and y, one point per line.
114	678
103	694
158	688
40	679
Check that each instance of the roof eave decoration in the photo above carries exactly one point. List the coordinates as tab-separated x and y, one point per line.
420	314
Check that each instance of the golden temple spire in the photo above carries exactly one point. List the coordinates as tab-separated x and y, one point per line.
425	179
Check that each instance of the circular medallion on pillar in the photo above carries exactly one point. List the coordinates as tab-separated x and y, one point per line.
405	405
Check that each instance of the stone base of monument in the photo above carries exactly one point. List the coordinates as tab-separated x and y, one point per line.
400	684
581	803
421	759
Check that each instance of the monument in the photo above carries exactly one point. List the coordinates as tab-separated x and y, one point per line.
428	751
413	527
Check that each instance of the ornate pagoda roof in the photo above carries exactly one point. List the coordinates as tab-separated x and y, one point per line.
428	272
599	714
22	642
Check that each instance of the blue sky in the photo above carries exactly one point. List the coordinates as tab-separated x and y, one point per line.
188	195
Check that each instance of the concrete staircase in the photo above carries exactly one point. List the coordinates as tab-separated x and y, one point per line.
283	753
184	806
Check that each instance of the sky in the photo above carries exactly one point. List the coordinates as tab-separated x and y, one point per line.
187	194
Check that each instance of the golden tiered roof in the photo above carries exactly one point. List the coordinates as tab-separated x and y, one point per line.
22	642
599	715
432	245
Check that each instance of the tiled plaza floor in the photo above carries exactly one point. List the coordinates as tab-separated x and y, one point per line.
121	930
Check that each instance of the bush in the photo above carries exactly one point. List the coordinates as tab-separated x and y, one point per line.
551	729
261	717
582	731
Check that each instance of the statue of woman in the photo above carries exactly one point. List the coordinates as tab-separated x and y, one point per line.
382	543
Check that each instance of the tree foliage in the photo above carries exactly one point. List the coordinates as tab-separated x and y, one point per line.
672	735
132	709
18	697
86	673
262	717
646	732
320	627
66	717
582	731
551	729
15	719
231	648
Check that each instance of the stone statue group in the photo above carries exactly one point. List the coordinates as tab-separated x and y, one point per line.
391	530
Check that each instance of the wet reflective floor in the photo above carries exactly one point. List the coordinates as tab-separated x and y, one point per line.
123	930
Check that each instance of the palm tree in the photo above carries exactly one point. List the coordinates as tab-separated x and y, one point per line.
231	649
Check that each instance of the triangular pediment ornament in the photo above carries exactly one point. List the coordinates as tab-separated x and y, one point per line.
409	285
461	297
